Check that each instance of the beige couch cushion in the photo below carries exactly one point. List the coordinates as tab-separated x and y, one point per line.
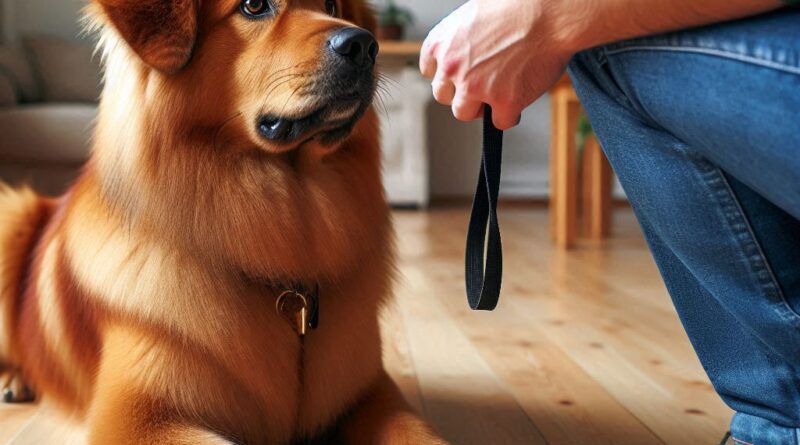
47	133
15	66
68	72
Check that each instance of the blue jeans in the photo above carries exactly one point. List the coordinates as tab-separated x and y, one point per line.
703	129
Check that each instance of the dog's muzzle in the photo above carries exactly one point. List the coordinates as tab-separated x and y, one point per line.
343	92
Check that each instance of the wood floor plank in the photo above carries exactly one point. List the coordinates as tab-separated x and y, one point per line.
632	345
560	398
462	397
47	427
636	350
397	356
13	419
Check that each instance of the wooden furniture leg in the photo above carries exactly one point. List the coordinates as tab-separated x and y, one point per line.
553	158
564	168
597	191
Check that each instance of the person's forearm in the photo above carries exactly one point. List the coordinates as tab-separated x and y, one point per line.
582	24
507	53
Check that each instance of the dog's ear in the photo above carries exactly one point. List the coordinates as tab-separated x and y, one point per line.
361	14
161	32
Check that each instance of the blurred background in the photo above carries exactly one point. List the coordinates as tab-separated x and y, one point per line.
49	61
585	347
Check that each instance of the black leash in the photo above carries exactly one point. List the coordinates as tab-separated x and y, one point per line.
484	260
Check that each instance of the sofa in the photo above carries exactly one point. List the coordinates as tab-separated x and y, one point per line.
48	103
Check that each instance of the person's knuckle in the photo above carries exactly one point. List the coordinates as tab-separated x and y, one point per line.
431	42
503	100
424	66
507	108
460	112
429	53
450	65
473	86
441	93
502	125
513	111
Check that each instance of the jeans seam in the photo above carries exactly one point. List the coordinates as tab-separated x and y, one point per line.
710	52
611	86
740	442
621	95
737	217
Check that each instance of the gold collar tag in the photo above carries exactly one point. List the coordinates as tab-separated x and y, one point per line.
296	309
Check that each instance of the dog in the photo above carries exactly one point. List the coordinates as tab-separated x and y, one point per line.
232	202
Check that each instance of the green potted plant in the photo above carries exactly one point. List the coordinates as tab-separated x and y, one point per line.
393	20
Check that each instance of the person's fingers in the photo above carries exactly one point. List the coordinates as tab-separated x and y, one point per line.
427	59
506	117
465	109
443	90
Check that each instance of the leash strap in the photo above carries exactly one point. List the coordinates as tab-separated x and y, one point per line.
484	259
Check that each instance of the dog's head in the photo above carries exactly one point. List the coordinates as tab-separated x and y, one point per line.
240	127
277	72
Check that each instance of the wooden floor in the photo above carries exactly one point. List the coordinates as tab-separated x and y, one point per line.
585	347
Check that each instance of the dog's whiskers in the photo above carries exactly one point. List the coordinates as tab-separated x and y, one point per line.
290	98
284	82
277	73
281	78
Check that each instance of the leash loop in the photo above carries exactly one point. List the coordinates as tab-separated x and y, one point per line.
484	257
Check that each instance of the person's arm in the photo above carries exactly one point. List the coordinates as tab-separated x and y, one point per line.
612	20
507	53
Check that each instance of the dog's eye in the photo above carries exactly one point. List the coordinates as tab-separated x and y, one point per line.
256	8
332	8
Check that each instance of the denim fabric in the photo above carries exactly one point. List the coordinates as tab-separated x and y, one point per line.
703	129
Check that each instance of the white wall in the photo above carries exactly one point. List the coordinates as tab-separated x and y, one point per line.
456	148
426	13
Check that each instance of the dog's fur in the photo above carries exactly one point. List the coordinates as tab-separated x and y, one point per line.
143	301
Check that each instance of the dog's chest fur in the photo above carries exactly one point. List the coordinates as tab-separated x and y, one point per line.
196	341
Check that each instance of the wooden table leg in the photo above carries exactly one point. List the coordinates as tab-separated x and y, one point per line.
597	191
554	106
564	199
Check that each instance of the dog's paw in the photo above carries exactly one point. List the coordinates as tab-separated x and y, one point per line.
14	389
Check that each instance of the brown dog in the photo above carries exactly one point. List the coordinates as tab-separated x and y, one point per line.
236	157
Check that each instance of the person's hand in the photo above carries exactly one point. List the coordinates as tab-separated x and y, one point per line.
497	52
507	53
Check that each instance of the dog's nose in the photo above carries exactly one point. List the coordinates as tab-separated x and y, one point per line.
356	45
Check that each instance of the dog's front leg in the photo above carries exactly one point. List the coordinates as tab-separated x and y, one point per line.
384	418
155	435
132	403
169	435
125	419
